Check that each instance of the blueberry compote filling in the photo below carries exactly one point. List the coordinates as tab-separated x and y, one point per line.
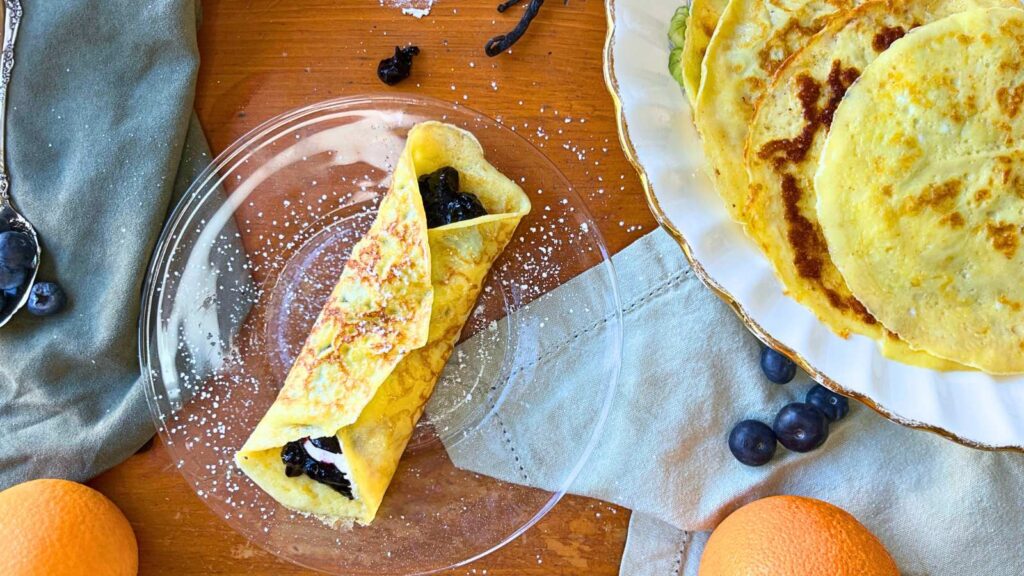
313	457
443	200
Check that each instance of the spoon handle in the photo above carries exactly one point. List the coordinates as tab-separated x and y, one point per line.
12	19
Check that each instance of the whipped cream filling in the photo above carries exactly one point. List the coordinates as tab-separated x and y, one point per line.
336	460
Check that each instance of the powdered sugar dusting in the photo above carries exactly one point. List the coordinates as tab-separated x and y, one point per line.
267	268
414	8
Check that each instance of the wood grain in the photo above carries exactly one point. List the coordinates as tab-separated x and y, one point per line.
263	57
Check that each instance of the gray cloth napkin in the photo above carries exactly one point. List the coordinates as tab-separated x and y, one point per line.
100	141
690	372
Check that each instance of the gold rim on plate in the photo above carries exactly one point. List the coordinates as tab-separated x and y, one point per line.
611	83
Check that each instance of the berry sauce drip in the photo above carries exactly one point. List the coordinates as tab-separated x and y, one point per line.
443	201
298	462
393	70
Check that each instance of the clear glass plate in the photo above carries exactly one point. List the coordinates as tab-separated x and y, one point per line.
241	272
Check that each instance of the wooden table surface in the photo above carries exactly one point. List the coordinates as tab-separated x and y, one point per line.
263	57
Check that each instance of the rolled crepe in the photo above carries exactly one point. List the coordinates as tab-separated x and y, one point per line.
375	353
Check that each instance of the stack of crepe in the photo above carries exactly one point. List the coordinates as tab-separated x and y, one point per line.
874	151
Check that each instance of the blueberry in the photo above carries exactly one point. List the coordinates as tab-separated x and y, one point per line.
343	489
436	217
46	299
316	470
437	187
776	367
298	462
443	201
9	296
464	206
17	250
328	443
834	406
293	454
12	278
752	443
393	70
294	458
329	475
801	427
445	181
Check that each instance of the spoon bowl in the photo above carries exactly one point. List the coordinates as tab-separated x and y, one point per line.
11	300
11	220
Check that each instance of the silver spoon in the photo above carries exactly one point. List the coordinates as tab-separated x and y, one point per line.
10	219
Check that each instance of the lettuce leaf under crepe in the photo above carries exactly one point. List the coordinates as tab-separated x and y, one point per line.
374	355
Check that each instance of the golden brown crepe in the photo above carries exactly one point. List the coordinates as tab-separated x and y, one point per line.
921	189
372	358
751	42
785	142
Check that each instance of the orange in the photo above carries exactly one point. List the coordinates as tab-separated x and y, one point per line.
794	536
60	528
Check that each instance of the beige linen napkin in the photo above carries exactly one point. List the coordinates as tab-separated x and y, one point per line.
689	373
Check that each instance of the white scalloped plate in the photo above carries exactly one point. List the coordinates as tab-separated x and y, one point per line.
657	133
